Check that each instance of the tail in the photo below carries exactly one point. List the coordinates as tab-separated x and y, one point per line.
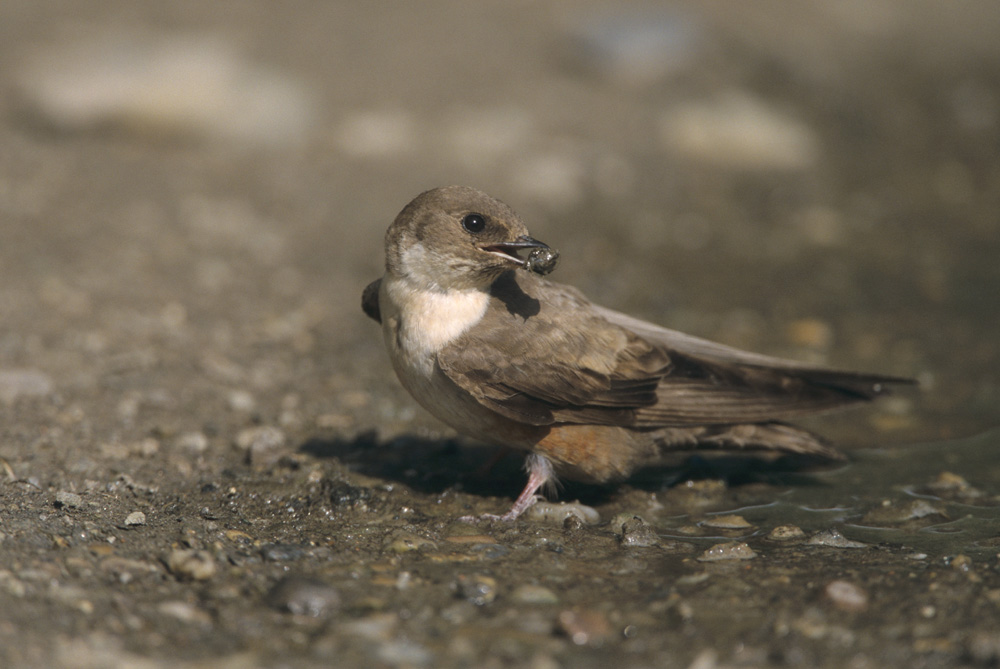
749	436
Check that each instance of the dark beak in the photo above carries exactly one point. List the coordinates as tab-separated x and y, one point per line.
509	249
541	260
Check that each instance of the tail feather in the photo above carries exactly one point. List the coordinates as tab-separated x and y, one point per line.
750	436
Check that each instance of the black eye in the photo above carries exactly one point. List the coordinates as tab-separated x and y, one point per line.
474	223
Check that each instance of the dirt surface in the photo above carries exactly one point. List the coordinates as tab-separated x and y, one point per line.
206	459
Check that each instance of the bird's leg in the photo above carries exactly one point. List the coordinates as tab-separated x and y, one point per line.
539	473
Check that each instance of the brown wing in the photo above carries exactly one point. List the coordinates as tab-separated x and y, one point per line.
543	354
712	381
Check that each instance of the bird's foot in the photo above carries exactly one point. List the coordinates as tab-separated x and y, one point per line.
515	511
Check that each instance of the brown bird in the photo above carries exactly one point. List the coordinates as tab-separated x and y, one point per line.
510	358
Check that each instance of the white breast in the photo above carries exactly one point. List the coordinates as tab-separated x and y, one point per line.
416	325
419	323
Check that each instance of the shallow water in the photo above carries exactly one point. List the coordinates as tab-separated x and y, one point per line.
956	520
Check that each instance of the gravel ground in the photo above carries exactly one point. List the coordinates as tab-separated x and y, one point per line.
206	459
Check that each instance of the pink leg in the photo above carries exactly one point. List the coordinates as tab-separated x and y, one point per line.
539	473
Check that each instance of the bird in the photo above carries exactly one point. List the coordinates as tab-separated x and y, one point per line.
488	345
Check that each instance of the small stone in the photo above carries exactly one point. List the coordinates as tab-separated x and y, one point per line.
17	383
728	551
405	542
697	494
239	537
961	563
949	481
163	86
191	564
585	627
557	513
637	47
740	130
984	647
402	653
135	518
185	612
194	442
534	594
66	499
636	533
846	596
126	570
262	444
241	400
953	487
834	539
476	588
728	522
281	552
786	533
303	597
897	514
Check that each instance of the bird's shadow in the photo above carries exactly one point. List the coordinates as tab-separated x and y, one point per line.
434	466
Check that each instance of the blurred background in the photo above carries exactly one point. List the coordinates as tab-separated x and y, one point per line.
812	179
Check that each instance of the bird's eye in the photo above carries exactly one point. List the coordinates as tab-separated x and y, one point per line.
474	223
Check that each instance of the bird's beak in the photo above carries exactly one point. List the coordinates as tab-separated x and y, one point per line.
508	250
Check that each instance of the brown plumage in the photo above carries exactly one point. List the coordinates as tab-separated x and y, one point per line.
511	358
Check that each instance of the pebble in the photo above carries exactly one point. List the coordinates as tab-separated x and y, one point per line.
585	627
185	612
834	539
786	533
739	130
983	647
65	499
479	589
196	565
953	487
636	47
896	514
556	513
281	552
135	518
846	596
179	85
706	659
379	626
303	596
126	570
401	653
261	445
405	542
17	383
534	594
696	494
728	551
728	522
193	442
241	401
637	533
961	563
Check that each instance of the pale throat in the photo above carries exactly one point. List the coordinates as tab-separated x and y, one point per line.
425	321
